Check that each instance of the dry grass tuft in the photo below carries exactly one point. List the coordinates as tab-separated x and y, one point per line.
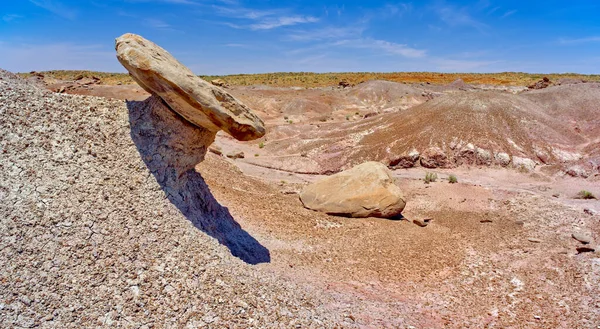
430	177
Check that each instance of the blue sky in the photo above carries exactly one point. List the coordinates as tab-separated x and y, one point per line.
239	36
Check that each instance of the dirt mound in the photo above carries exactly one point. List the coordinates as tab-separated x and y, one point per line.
465	128
569	81
277	105
382	95
306	107
577	105
299	105
90	238
460	84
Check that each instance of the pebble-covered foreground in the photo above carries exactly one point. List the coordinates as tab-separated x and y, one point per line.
88	238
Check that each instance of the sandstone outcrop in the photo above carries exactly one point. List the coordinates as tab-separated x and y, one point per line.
544	83
199	102
525	164
406	160
367	190
434	157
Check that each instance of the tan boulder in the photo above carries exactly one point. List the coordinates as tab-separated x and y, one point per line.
196	100
367	190
218	82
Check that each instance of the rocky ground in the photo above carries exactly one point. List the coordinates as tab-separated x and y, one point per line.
89	237
90	240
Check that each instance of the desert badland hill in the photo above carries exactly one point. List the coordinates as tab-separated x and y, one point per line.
111	214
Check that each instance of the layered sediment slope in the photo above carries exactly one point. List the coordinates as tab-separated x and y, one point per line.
457	128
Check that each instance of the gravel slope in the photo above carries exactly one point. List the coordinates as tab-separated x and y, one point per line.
89	238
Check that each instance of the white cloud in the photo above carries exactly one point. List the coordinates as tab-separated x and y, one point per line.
10	17
178	2
235	45
261	19
508	13
271	23
455	17
566	41
398	49
156	23
56	7
241	12
493	10
382	45
398	9
183	2
326	33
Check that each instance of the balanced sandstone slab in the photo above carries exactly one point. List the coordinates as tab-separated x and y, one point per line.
196	100
367	190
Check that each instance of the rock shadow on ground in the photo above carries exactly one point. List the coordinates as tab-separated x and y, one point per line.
171	147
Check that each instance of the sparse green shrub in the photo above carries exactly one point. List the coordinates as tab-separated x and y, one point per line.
430	177
586	195
290	121
261	145
256	154
348	117
452	179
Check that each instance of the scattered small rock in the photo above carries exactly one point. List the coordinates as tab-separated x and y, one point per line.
236	155
371	114
216	149
582	249
420	222
590	212
555	195
486	220
344	84
520	222
577	171
544	83
585	239
534	240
